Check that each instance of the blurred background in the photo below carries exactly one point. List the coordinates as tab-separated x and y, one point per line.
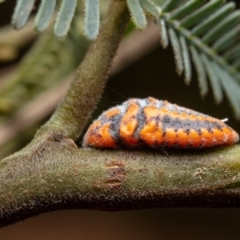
141	69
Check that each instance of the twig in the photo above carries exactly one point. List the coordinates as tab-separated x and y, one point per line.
131	49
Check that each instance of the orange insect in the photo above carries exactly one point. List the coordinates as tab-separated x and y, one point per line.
157	124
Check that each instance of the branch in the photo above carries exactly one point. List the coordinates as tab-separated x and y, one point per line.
51	174
88	84
12	130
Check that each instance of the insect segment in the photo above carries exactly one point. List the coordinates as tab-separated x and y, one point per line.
157	124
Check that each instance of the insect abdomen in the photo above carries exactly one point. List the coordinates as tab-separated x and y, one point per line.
155	123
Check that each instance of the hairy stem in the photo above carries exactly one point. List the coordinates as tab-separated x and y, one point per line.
88	84
52	174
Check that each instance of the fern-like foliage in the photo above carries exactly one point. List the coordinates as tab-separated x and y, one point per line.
64	17
66	11
203	32
209	33
206	32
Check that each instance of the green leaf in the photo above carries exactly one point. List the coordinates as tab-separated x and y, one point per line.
232	89
92	18
186	8
64	17
233	53
201	13
21	14
202	78
177	50
220	28
227	40
213	77
44	14
170	5
186	60
163	33
213	20
149	7
137	14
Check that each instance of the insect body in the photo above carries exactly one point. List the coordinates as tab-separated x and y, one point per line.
158	124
